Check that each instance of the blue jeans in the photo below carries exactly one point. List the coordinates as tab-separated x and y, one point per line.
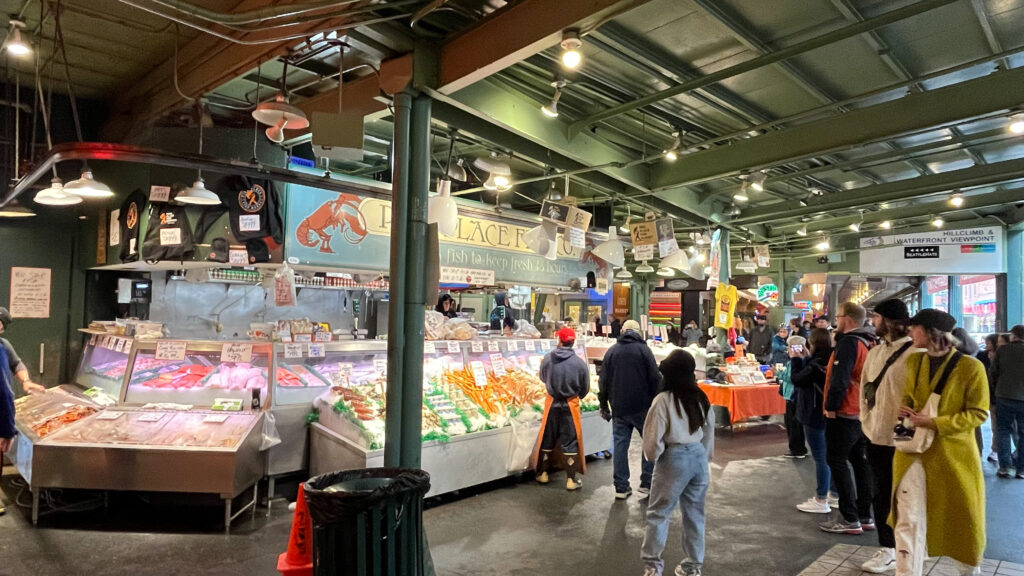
816	440
680	476
1009	415
622	434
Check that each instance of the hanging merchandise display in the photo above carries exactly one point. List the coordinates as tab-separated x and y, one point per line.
725	305
130	222
715	259
168	235
252	209
667	244
762	256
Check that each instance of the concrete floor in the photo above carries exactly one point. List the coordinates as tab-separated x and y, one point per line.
510	527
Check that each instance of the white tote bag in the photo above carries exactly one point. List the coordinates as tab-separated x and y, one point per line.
913	440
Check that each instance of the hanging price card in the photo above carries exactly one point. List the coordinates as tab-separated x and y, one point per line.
236	352
531	345
477	347
498	365
453	347
535	362
170	349
545	345
94	339
238	257
429	348
316	350
306	337
293	350
513	346
493	347
106	342
479	374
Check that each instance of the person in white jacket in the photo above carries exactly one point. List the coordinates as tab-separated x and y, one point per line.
882	383
679	436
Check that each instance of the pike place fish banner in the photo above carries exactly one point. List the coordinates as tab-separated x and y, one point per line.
326	228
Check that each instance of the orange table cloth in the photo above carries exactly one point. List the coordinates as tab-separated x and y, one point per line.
745	402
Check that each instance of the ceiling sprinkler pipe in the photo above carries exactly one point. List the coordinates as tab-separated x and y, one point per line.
253	16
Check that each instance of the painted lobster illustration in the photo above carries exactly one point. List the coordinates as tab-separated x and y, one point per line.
342	213
589	258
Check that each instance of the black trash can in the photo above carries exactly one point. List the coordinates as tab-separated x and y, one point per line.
368	522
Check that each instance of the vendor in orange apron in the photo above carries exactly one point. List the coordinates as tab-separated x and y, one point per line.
560	441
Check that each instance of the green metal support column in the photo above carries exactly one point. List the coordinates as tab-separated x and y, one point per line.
1014	278
397	290
956	300
723	278
416	298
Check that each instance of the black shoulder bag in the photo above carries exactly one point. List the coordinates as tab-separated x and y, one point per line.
871	388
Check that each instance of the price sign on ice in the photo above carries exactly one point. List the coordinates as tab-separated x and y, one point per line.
479	374
477	347
497	365
345	368
493	347
380	365
293	350
453	347
513	346
170	349
429	348
531	345
236	352
316	350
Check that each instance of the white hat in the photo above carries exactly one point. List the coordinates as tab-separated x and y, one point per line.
631	325
795	340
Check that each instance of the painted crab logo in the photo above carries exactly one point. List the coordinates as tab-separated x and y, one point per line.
253	199
342	214
132	218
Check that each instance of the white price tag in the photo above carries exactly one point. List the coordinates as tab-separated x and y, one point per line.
238	257
106	342
644	252
429	348
293	350
170	349
249	223
159	193
322	337
453	347
317	350
479	374
304	337
94	339
170	236
477	347
535	362
493	346
215	418
151	417
236	352
119	345
531	346
593	328
513	346
106	415
545	345
346	369
380	365
498	365
606	329
577	238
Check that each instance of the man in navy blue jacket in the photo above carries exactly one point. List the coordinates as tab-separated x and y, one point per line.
7	430
629	382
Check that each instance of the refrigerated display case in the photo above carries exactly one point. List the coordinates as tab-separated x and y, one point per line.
482	404
190	425
103	365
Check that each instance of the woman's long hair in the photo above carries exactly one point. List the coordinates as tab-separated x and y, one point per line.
821	342
967	346
679	380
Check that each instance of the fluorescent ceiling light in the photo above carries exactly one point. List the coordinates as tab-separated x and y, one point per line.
88	187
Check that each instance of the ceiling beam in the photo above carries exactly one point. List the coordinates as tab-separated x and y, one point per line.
765	60
992	93
892	191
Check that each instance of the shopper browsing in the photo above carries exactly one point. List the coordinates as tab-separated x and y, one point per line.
780	346
628	383
13	363
1007	373
794	431
882	383
7	429
940	493
692	334
679	436
560	441
760	341
845	441
987	357
807	371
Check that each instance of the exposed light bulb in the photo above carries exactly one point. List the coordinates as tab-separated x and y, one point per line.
1017	124
957	200
671	155
502	182
16	45
572	58
823	245
885	225
938	222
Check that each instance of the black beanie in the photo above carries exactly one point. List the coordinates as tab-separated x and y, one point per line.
893	309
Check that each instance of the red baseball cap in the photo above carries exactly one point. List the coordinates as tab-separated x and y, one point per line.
566	335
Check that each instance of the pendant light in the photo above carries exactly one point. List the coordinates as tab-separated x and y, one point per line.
542	239
15	210
644	268
677	260
442	210
280	114
551	108
666	272
611	250
16	45
88	187
55	195
499	174
197	194
624	274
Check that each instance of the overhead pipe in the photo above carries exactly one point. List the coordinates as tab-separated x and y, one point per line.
765	60
252	16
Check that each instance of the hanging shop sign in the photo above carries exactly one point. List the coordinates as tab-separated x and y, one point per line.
342	230
964	251
471	276
762	256
620	300
768	293
715	258
667	244
643	233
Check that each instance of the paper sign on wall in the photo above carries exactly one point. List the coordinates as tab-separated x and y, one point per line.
292	350
316	350
30	292
114	236
479	374
159	193
170	349
498	365
236	352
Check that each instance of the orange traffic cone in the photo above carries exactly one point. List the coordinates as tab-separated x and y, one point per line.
298	559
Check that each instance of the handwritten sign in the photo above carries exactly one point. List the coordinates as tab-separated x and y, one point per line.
498	365
317	350
643	253
530	345
159	193
479	374
493	347
577	238
322	337
292	350
30	292
429	348
170	236
545	345
380	365
535	363
170	349
345	368
513	346
238	257
249	223
236	352
477	347
119	347
307	337
453	347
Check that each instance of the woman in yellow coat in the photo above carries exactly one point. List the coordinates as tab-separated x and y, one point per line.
939	495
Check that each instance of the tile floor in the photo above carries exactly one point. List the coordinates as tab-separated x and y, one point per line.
845	560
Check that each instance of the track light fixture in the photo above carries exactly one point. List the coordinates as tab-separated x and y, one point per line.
741	196
551	108
572	55
672	154
756	181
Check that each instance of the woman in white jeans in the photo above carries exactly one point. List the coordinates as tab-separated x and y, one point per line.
939	495
679	436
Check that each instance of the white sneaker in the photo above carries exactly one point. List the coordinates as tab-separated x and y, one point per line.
623	495
814	506
833	500
643	493
883	561
651	571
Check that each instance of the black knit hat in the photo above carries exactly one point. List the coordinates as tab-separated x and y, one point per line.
893	309
931	318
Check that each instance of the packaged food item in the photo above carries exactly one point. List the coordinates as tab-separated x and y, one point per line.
526	330
458	329
433	323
